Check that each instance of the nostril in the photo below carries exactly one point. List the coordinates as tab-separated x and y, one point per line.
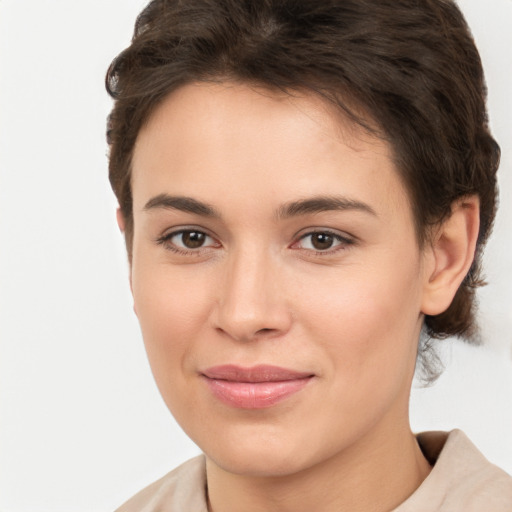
265	331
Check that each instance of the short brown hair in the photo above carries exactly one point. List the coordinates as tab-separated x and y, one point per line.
410	65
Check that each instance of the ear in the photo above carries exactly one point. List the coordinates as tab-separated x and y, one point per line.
122	225
120	220
450	255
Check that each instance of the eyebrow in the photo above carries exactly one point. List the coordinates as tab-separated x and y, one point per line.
323	204
182	203
293	209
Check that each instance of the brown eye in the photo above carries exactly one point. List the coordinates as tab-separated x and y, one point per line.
187	240
322	241
193	239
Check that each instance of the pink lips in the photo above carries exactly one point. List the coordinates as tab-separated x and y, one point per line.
256	387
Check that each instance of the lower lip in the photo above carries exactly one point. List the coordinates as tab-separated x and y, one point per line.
255	395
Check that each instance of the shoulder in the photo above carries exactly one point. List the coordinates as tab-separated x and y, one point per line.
183	489
462	479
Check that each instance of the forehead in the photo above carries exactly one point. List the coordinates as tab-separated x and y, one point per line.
223	104
227	139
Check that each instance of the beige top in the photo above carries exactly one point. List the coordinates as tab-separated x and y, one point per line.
462	480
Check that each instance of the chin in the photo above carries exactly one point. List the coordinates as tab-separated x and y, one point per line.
259	451
261	463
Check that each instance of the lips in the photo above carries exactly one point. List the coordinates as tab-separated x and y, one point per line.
257	387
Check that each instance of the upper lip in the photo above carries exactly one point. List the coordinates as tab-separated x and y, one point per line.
259	373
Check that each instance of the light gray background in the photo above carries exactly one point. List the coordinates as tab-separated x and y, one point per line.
82	426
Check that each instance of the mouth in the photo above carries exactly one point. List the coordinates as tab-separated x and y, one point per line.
257	387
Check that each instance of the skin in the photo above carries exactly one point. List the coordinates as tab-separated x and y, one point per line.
258	292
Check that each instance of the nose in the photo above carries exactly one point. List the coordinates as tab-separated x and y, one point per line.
251	301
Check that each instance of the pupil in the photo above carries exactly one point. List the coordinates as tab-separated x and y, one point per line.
193	239
322	241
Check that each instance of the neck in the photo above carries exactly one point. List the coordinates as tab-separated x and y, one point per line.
377	473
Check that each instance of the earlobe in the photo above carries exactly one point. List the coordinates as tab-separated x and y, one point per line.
120	220
450	255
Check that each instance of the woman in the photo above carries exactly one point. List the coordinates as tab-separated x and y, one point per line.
305	190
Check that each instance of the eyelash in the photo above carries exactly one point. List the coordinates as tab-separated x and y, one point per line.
343	242
165	241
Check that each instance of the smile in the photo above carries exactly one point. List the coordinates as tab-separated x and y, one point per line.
254	388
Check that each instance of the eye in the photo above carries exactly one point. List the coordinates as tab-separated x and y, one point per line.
187	240
322	241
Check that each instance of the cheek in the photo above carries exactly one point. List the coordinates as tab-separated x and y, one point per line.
172	309
369	325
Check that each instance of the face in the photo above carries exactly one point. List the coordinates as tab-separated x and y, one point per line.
276	276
